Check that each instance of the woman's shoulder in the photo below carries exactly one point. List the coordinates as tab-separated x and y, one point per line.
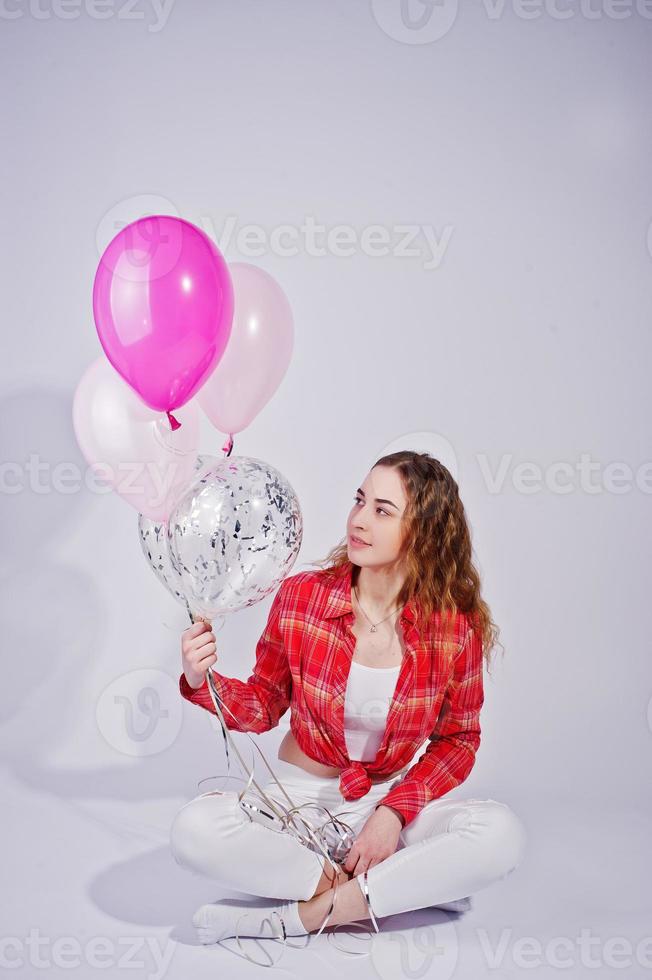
310	591
312	576
305	583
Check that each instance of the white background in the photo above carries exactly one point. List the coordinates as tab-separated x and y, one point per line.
522	143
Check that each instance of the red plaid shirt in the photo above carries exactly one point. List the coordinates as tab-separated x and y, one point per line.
302	661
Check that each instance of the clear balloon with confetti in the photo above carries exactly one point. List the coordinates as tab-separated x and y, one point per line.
234	535
153	537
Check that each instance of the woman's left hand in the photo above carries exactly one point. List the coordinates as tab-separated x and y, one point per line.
376	841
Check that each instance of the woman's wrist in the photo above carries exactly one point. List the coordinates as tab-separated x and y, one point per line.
196	686
399	816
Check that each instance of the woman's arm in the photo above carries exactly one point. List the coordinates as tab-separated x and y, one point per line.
257	704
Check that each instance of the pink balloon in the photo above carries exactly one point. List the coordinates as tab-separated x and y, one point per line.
257	355
129	446
163	307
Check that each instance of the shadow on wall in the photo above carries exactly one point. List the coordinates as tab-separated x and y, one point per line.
54	622
52	615
49	611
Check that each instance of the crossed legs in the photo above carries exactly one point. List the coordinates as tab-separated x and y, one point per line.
449	851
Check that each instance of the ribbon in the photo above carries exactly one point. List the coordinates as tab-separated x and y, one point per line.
332	836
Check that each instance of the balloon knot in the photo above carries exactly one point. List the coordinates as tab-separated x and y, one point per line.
174	423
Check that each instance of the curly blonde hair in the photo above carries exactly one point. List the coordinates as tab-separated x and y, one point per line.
435	549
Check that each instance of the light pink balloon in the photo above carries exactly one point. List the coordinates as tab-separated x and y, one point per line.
130	446
257	354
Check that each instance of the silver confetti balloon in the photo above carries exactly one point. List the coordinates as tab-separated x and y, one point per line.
153	538
154	543
234	535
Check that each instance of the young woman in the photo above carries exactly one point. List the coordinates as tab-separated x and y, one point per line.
376	653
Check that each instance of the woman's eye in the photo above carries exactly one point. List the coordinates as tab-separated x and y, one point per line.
358	499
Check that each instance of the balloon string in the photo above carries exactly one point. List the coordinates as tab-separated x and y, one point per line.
158	433
228	445
286	817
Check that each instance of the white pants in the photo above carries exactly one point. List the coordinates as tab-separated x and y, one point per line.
450	850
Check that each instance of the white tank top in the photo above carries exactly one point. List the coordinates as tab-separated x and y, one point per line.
369	691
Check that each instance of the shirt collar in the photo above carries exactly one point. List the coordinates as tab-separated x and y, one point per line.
338	602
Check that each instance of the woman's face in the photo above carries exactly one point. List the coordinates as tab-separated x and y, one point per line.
376	518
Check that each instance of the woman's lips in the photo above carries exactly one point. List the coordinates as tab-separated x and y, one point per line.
357	543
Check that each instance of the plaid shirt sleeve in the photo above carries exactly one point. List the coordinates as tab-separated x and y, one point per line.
257	704
450	756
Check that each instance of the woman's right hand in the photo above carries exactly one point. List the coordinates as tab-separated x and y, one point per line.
198	652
